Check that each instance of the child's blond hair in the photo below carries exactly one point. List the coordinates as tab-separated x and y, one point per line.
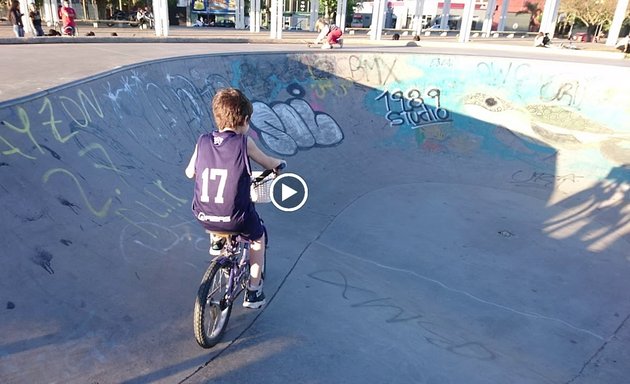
320	24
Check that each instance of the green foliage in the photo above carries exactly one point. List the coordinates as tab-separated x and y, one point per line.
530	7
590	13
329	7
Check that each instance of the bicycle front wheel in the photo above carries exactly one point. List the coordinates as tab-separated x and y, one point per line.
212	310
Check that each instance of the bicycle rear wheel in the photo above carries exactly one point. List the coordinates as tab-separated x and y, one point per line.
212	310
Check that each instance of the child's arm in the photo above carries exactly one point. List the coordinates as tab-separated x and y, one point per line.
190	169
322	34
260	157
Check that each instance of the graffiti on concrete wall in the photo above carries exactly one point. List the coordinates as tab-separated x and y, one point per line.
113	149
285	127
409	108
511	108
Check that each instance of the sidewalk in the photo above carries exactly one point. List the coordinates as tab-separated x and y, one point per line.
178	34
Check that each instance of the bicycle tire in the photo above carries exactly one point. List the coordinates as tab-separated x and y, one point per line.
212	312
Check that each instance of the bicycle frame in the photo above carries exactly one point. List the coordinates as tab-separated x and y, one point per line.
235	257
224	280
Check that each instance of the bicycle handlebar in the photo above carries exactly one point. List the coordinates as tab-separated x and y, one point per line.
267	172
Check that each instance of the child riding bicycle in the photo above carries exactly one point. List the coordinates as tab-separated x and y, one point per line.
220	165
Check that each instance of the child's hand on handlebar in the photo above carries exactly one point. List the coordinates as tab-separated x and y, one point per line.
277	170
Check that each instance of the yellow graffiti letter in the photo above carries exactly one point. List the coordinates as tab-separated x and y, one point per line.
97	212
53	123
26	130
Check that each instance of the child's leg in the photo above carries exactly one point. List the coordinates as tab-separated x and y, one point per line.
256	262
333	37
254	296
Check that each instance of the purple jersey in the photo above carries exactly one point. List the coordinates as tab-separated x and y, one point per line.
222	199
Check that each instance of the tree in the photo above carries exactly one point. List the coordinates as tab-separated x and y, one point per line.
330	8
592	13
101	9
535	15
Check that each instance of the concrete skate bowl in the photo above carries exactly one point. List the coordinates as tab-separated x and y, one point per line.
467	222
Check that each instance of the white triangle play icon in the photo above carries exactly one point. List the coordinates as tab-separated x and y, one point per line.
287	192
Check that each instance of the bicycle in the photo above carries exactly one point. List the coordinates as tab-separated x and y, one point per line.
228	274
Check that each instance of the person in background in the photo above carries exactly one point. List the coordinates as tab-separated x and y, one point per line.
538	40
624	44
15	16
67	16
36	19
330	33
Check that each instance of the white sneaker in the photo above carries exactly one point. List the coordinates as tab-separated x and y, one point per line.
254	299
216	245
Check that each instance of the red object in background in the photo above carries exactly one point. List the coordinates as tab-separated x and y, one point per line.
582	37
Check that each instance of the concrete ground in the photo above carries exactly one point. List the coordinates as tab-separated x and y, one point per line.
456	253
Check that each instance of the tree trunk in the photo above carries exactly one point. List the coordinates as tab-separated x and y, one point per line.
590	31
101	7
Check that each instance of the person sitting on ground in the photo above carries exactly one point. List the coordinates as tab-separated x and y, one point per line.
546	40
330	33
396	36
538	40
199	22
140	17
624	44
145	18
220	166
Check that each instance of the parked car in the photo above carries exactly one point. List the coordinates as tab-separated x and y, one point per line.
582	37
119	17
436	27
225	23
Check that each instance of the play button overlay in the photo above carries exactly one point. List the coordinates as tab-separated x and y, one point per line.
289	192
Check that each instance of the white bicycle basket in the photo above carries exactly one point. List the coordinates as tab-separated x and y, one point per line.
261	191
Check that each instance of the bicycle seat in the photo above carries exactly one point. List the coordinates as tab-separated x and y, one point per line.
219	239
222	233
